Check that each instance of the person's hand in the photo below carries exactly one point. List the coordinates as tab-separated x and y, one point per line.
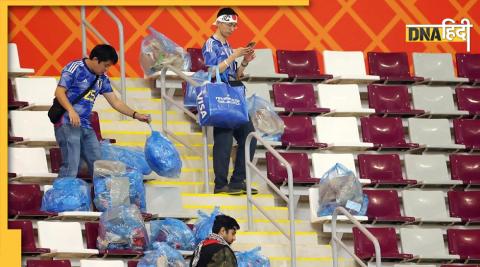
143	117
242	51
74	118
249	57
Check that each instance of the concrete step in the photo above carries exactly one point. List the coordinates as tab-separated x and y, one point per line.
265	225
107	112
190	187
136	126
278	250
139	137
239	211
196	150
275	237
215	199
310	262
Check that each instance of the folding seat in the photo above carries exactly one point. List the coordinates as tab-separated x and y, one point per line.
433	134
38	92
13	139
132	263
464	205
468	99
25	200
342	99
277	173
91	235
14	67
48	263
29	163
426	206
28	237
347	66
300	65
437	68
259	89
32	126
391	100
263	67
425	244
340	132
12	103
56	163
468	66
391	67
298	132
428	170
101	263
464	242
95	122
384	206
465	168
382	169
296	98
436	101
197	59
467	133
387	239
385	133
323	162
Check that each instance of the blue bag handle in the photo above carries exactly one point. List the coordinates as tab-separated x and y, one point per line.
217	74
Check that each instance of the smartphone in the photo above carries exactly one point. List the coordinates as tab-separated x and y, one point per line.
251	44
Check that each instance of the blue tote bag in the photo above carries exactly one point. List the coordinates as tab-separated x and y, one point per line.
222	105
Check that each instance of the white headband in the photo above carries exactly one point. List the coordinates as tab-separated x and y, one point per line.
226	19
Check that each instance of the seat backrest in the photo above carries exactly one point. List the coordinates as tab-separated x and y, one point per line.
198	62
263	63
24	197
28	236
156	196
432	168
430	131
39	91
388	98
426	243
132	263
465	167
385	131
32	125
383	203
380	167
468	65
294	95
259	89
11	92
464	242
339	96
337	129
468	98
95	122
429	205
297	62
13	57
438	66
464	204
60	235
324	162
27	160
55	159
388	64
91	234
438	99
277	173
297	129
48	263
467	132
387	239
344	63
101	263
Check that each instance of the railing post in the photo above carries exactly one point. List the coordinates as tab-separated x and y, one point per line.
84	31
249	182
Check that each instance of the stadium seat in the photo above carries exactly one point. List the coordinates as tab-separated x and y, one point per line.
428	170
56	163
300	65
382	169
132	263
464	242
259	89
157	195
340	132
298	133
468	99
384	207
436	101
13	139
425	244
323	162
95	122
28	237
432	134
197	59
347	67
387	239
263	67
465	168
467	133
464	205
91	235
342	99
33	126
385	133
37	168
25	200
391	67
300	164
426	206
296	98
101	263
391	100
14	67
12	103
468	66
38	92
436	67
48	263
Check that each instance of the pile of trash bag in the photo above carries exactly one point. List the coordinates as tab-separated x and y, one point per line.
161	249
174	232
204	224
67	194
252	258
162	156
264	118
132	157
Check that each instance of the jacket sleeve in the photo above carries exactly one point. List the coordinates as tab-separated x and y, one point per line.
223	258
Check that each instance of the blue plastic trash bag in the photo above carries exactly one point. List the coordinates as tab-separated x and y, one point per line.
122	227
264	118
204	224
174	232
222	105
191	92
132	157
67	194
162	156
340	187
252	258
174	257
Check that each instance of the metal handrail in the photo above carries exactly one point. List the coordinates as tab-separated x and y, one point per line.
362	228
289	200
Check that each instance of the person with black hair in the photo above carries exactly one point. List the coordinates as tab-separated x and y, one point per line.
73	132
215	250
218	53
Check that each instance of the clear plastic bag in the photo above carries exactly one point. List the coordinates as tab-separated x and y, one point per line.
204	224
162	156
158	50
67	194
174	232
264	118
252	258
131	156
340	187
161	249
122	227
